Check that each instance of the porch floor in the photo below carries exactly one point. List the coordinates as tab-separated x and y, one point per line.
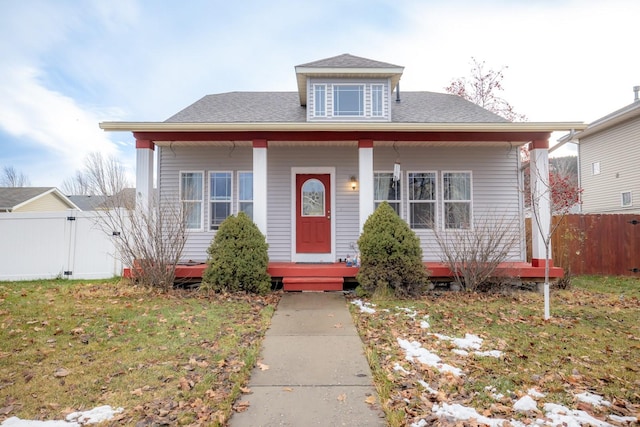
332	276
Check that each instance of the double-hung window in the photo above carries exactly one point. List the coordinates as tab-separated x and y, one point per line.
191	197
457	199
219	198
422	199
377	100
320	100
348	100
387	190
245	193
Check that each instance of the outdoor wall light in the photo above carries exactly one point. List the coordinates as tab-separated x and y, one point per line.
354	183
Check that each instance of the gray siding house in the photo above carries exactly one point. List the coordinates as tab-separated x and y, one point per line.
609	156
310	166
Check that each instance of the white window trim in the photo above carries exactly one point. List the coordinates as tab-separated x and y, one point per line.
595	168
202	200
622	193
470	201
334	99
239	200
383	99
315	111
433	201
402	192
210	201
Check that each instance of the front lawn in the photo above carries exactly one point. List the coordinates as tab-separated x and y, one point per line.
178	358
446	355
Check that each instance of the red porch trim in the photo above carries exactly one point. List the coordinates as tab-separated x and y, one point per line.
438	270
301	136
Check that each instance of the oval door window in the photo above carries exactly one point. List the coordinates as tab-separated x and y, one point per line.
313	198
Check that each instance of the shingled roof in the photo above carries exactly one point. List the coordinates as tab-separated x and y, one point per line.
347	61
283	107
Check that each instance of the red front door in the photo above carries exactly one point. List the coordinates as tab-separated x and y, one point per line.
313	213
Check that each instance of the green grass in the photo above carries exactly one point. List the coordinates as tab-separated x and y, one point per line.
591	344
178	357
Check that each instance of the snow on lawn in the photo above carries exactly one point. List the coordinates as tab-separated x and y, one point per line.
415	352
75	419
554	415
365	307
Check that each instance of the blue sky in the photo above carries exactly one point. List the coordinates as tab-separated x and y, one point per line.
66	65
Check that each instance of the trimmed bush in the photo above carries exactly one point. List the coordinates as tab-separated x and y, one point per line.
238	258
390	256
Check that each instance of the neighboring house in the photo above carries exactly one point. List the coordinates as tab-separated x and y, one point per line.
310	166
34	199
125	198
609	156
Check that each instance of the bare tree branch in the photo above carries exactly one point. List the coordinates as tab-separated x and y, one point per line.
12	178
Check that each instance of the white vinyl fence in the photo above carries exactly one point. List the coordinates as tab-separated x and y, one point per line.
46	245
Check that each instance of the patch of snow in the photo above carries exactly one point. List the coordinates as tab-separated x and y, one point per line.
75	419
462	413
410	312
427	387
491	353
365	307
460	352
560	415
424	324
421	423
469	341
525	404
535	393
398	367
95	415
593	399
415	351
620	419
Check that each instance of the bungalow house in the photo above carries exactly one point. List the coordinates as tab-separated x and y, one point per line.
34	199
310	166
608	159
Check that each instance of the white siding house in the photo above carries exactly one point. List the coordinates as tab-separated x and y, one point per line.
609	155
311	166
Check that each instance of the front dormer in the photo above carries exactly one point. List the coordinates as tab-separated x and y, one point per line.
347	88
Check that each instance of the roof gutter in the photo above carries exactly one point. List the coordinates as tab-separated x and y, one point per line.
344	126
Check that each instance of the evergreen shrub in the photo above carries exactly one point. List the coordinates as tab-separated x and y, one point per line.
238	258
390	256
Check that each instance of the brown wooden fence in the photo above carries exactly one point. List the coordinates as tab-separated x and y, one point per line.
605	244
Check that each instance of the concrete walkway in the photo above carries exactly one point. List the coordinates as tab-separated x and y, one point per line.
317	372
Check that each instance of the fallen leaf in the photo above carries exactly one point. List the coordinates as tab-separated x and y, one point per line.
370	400
262	366
245	390
61	372
287	389
342	397
241	406
338	325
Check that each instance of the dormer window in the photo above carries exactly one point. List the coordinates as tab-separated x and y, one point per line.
348	100
377	100
320	100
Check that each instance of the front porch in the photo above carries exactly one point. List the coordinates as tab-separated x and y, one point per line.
333	276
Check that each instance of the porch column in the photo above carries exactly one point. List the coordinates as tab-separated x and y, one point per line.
365	168
260	184
540	201
144	171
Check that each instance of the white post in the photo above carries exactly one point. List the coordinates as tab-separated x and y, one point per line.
365	167
541	218
260	185
144	171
